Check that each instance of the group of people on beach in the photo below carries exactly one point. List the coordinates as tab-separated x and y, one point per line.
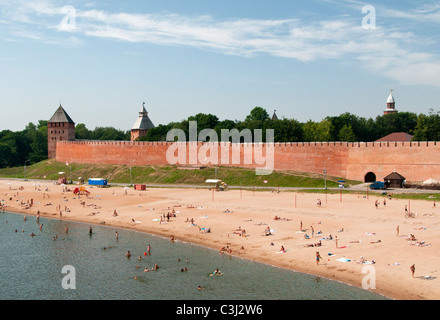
240	231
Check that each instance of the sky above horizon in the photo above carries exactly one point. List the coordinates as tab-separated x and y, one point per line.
305	59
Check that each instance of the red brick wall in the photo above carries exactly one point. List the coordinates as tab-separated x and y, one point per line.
415	161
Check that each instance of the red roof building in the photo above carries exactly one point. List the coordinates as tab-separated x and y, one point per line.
396	137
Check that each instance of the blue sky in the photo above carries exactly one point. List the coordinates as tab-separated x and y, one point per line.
305	59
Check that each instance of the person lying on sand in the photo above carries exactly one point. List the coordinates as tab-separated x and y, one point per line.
411	238
420	244
279	218
267	231
205	230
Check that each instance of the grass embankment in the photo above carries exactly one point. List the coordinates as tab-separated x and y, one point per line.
433	195
49	170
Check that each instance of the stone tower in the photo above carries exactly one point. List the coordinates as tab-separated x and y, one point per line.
60	127
142	125
391	104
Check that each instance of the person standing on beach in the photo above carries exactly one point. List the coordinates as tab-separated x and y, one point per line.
413	269
318	256
397	230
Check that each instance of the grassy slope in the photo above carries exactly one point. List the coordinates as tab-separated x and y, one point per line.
49	170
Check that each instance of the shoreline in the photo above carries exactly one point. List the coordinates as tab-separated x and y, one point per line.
354	214
211	248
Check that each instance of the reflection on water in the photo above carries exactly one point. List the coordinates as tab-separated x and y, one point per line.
31	267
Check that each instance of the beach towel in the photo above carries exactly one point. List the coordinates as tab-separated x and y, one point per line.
344	260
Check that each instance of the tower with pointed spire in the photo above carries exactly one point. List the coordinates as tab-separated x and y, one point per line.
391	104
60	127
142	125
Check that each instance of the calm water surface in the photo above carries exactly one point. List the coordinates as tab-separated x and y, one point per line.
31	268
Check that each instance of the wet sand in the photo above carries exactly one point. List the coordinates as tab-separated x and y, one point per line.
361	229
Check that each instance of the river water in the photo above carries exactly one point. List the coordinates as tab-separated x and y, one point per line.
96	268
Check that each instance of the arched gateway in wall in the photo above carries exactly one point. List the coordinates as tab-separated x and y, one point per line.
370	177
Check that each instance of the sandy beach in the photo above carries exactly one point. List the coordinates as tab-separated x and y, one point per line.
373	240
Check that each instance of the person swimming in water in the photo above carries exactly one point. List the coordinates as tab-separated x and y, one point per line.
217	272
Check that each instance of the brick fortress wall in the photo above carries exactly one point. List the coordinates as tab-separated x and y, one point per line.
417	161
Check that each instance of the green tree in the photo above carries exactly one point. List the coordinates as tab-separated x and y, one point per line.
7	155
109	134
81	132
285	130
346	134
428	127
394	122
259	114
158	133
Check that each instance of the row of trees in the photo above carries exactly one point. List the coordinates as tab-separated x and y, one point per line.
345	127
30	145
27	146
